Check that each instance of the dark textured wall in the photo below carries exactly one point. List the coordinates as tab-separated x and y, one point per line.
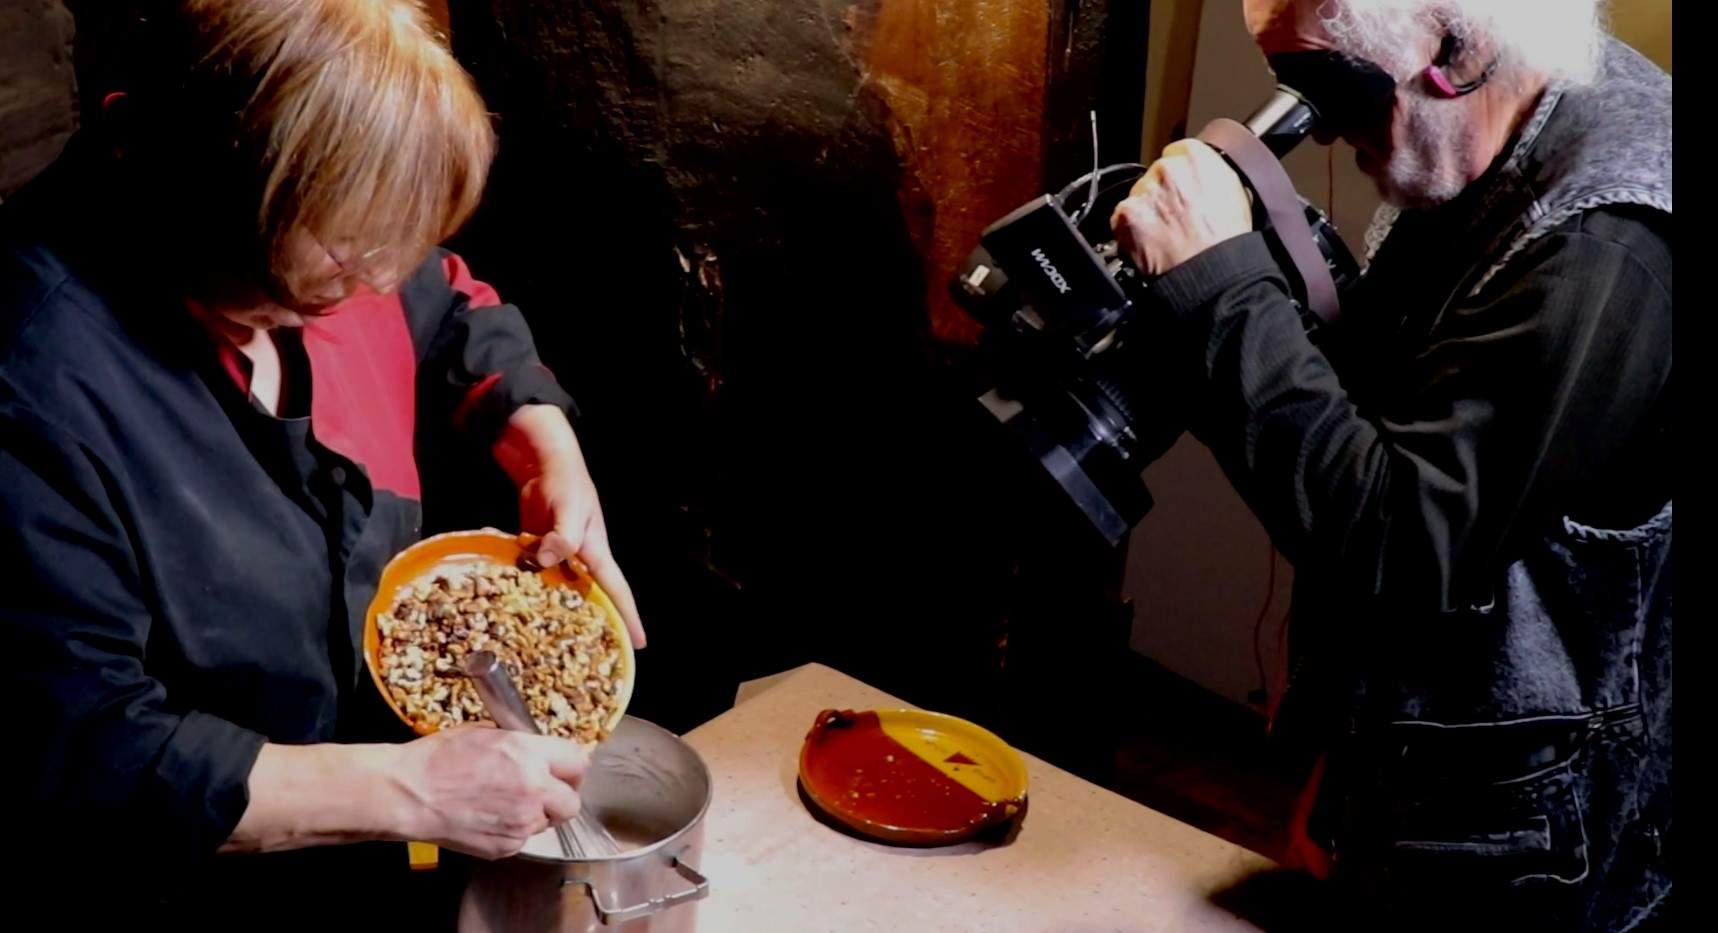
700	206
38	97
731	224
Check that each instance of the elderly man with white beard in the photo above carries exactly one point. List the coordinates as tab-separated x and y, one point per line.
1469	470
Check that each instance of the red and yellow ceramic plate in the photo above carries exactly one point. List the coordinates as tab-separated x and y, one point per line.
911	777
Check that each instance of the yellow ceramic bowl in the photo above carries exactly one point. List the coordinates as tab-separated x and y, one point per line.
457	550
911	777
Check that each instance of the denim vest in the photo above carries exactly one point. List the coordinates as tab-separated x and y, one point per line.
1511	768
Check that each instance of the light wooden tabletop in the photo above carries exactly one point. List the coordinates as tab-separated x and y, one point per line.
1085	859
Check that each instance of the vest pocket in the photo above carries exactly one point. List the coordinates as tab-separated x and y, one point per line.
1475	836
1473	807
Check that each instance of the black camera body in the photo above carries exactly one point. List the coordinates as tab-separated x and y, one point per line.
1077	377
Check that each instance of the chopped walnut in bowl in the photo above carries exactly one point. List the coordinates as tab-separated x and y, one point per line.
562	650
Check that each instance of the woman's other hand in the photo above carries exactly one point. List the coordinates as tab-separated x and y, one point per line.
558	501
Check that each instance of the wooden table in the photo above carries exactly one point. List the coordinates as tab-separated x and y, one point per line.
1085	859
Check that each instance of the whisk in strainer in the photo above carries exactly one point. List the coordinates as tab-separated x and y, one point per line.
582	837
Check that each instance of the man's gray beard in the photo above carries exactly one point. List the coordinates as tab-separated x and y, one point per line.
1427	168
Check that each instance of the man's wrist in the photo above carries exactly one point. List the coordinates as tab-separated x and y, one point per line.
1197	282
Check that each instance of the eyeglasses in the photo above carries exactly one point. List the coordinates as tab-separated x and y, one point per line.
349	267
1348	93
379	276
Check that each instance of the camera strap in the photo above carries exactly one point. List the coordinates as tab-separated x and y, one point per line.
1269	182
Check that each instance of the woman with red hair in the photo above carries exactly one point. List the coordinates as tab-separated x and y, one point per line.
227	335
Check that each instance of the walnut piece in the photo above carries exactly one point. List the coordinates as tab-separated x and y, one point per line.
559	648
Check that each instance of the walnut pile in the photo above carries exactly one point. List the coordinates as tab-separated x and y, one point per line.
557	646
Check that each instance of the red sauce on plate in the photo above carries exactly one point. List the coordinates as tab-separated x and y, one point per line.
856	768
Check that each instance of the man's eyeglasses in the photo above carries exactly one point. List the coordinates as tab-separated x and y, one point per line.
1352	94
1349	93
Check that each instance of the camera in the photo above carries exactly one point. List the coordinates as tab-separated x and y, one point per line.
1069	341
